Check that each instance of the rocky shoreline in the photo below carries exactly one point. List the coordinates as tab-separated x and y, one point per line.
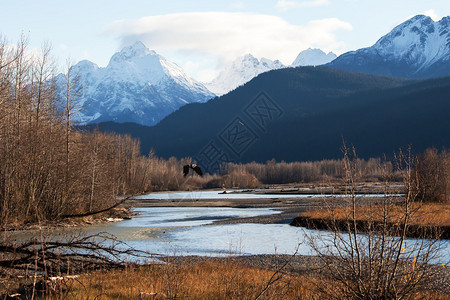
116	214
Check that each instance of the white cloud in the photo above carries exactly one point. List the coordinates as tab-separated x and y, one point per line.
432	14
85	55
286	4
227	35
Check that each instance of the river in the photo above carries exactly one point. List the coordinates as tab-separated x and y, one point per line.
191	230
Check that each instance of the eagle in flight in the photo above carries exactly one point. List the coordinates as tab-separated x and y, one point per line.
193	167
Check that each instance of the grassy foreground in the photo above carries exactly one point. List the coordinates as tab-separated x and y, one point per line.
201	280
208	279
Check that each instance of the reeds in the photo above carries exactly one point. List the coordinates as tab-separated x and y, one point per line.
207	279
204	279
423	214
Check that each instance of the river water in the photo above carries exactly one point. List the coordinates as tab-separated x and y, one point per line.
190	230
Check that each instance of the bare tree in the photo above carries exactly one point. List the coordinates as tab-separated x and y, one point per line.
373	259
72	93
43	76
432	170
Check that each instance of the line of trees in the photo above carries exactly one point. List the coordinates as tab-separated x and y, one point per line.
431	170
48	169
273	172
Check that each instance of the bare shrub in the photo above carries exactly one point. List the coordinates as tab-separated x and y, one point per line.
273	172
374	260
433	172
235	179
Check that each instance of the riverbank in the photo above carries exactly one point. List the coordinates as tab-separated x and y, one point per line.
289	200
117	214
425	219
308	211
180	271
288	208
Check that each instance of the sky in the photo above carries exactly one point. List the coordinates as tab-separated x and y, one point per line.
204	36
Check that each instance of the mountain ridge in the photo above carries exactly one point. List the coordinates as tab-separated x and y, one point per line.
240	71
313	57
137	85
416	48
320	107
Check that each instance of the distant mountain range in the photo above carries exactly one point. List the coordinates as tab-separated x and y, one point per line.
313	57
241	71
417	48
286	113
300	114
247	67
141	86
138	85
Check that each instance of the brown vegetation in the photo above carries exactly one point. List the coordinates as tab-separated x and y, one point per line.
48	168
329	170
204	280
207	279
433	176
424	214
380	264
235	179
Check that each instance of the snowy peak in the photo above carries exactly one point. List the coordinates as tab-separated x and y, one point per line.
138	64
417	48
419	40
138	85
85	68
313	57
250	63
240	71
137	50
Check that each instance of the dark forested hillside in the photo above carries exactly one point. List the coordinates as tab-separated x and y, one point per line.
304	114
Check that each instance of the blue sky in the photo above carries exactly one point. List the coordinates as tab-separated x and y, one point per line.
203	36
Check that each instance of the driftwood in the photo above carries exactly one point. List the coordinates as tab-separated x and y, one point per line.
38	264
96	212
68	255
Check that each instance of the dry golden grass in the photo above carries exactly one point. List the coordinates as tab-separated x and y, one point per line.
205	280
209	279
428	214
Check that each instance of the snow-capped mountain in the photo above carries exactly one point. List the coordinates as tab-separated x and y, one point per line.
417	48
138	85
240	71
313	57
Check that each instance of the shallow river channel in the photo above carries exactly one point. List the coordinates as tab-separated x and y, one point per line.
190	230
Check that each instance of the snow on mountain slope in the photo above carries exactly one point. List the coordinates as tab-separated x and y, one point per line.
417	48
242	70
313	57
138	85
420	39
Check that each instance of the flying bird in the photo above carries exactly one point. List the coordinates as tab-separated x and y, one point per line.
193	167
